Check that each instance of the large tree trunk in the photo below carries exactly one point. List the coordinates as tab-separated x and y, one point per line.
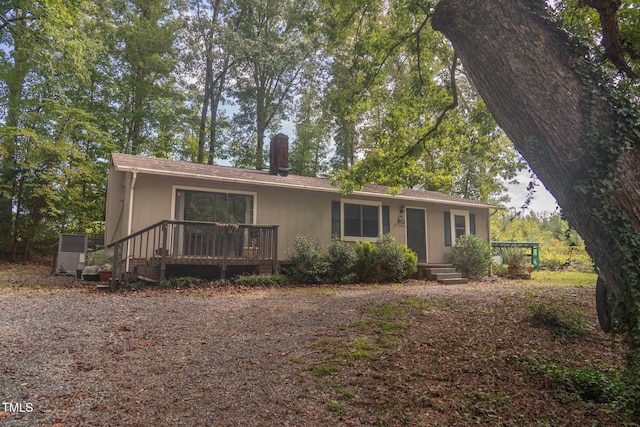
582	144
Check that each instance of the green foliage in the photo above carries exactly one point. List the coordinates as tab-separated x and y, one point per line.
324	370
515	258
561	321
590	384
261	280
384	260
410	261
471	256
341	259
568	278
390	85
309	264
180	282
561	247
396	262
365	266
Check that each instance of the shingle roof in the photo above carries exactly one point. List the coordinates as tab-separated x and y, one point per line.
155	166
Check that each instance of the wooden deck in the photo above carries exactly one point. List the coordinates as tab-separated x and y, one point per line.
149	252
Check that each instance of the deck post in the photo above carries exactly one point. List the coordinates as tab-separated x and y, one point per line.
115	267
225	249
163	251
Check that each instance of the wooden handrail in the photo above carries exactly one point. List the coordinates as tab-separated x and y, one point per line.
160	236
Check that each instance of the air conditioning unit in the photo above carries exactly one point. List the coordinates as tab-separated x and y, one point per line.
72	252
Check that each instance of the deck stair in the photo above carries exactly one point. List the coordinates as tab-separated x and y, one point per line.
444	274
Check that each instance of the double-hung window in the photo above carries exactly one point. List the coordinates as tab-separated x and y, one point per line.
359	220
458	223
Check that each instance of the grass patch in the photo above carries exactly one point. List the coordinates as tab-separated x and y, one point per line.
566	278
335	407
424	304
362	349
388	312
560	320
324	370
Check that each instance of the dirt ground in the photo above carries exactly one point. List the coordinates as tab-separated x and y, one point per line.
416	354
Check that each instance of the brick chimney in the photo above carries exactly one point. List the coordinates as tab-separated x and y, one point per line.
279	155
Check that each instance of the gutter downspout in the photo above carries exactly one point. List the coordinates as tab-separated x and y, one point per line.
134	176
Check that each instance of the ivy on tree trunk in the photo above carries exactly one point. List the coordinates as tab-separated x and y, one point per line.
564	116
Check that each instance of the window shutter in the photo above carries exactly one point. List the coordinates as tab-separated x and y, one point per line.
386	224
472	223
447	228
335	219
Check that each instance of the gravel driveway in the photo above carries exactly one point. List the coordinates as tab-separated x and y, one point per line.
167	358
74	356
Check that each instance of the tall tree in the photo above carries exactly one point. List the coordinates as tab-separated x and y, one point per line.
390	88
277	42
36	47
562	107
142	63
309	149
209	57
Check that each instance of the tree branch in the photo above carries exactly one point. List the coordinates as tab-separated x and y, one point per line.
614	46
454	103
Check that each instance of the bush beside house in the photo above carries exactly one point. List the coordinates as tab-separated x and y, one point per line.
382	261
471	256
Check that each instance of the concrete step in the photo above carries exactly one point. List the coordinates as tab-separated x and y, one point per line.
442	276
432	273
454	281
442	270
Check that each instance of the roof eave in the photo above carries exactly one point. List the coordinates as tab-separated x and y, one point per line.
192	175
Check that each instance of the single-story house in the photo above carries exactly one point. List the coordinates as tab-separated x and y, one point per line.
260	206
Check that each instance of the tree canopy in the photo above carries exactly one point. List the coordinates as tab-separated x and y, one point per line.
359	85
449	95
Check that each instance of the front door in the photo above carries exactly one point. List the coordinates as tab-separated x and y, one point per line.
417	233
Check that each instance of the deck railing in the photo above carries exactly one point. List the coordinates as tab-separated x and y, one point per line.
194	242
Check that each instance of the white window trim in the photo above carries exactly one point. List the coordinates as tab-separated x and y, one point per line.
452	221
175	188
360	202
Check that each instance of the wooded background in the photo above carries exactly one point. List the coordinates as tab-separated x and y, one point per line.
373	93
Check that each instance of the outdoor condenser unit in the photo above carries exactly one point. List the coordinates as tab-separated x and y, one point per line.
72	249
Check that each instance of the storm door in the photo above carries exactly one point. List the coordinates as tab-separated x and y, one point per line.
417	233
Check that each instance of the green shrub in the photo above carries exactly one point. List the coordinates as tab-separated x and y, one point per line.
552	261
602	385
309	265
256	280
365	267
516	259
395	261
498	269
410	260
471	256
341	259
180	282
